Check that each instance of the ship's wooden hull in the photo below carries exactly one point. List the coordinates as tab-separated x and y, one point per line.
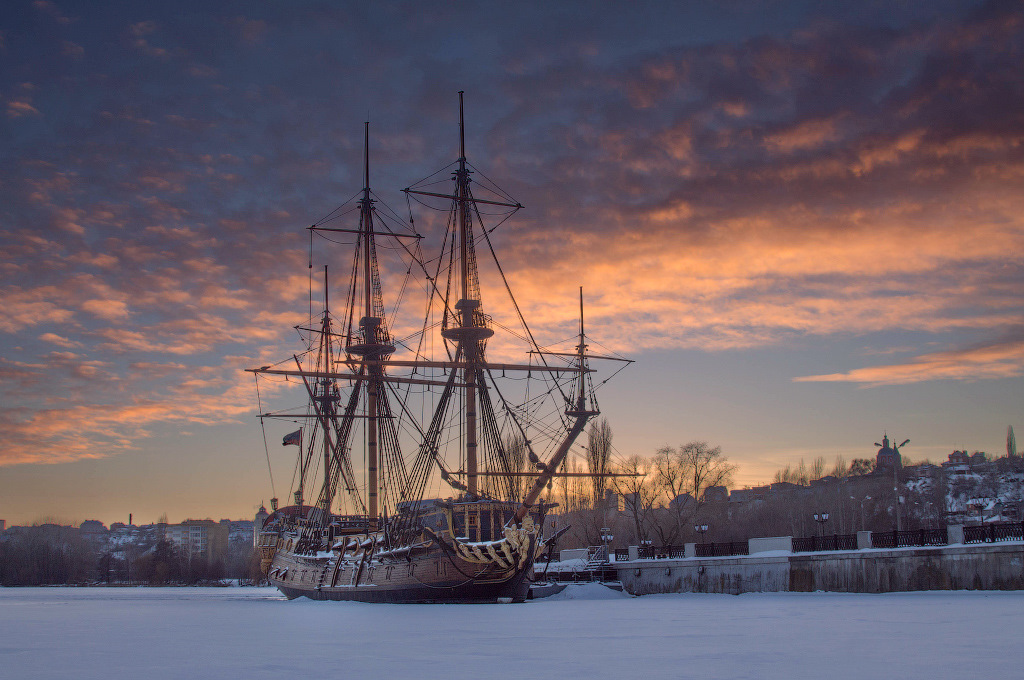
432	576
512	590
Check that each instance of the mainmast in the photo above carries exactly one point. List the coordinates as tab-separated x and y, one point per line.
373	343
471	332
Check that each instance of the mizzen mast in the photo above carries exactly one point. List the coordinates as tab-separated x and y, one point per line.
579	410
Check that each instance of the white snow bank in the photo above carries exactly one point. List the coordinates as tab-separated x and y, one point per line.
588	591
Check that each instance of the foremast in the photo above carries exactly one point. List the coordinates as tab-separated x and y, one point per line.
360	358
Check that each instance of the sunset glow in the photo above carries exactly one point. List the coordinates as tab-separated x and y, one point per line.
804	221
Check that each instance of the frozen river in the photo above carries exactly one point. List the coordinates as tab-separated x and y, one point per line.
589	632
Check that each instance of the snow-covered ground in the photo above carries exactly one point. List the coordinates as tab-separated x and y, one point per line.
587	631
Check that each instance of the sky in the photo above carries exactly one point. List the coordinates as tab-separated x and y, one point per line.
803	220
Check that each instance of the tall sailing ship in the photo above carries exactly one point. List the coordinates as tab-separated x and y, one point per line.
381	429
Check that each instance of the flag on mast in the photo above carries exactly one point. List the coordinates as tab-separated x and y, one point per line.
293	438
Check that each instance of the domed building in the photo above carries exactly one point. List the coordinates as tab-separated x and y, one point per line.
257	525
888	455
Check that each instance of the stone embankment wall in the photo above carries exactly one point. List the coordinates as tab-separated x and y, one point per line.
954	567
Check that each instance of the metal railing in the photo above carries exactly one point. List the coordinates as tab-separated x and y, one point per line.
908	539
987	533
992	533
654	552
722	549
833	542
583	575
661	552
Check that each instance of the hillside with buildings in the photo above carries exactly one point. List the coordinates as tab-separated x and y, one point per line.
879	494
194	551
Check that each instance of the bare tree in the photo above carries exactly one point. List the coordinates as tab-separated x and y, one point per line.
673	484
599	448
685	474
515	448
802	476
817	470
638	493
786	474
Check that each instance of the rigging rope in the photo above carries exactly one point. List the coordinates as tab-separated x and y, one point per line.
259	402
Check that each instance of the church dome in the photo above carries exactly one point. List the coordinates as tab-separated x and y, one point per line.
888	456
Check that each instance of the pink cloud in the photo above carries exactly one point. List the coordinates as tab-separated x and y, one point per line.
26	308
110	310
105	427
55	339
21	108
993	362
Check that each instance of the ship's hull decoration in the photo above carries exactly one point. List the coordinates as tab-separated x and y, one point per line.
438	568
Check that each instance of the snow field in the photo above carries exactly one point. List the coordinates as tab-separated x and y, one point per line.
586	631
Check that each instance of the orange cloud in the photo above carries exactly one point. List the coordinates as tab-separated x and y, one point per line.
111	310
806	135
98	430
21	108
992	362
749	282
58	340
25	308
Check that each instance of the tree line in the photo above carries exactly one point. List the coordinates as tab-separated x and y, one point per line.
57	555
660	499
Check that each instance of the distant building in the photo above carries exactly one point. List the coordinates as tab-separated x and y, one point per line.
716	494
3	525
631	501
93	527
958	461
888	456
612	501
922	471
202	538
746	495
756	493
257	525
680	502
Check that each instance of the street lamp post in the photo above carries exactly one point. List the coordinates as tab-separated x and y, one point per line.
821	518
606	538
701	529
